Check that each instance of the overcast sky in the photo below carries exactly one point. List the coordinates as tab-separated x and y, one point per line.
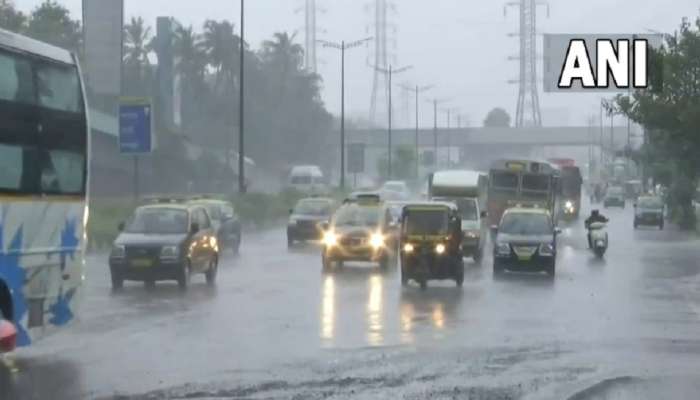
460	46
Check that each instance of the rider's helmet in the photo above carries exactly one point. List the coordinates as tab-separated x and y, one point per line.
595	213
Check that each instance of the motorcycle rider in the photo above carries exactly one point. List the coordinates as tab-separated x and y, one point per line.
595	216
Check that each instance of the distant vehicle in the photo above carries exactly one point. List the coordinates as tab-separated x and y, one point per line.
649	211
570	184
44	158
306	218
525	240
397	186
165	242
307	179
633	189
614	197
357	232
431	241
468	190
521	182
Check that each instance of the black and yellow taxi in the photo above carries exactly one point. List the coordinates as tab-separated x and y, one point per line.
357	232
525	241
224	220
431	243
165	241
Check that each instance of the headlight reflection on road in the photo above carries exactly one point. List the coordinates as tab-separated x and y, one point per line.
438	316
374	311
328	309
408	313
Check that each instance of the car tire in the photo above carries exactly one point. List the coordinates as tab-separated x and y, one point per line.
635	225
459	275
185	273
661	226
290	242
117	281
551	270
150	284
211	273
404	277
423	284
236	248
326	263
497	269
478	256
384	262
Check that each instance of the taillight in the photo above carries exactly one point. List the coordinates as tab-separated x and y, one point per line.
8	336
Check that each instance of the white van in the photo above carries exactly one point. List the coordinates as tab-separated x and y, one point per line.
307	179
467	189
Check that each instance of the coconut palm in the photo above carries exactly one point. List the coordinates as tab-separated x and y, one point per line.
137	47
221	46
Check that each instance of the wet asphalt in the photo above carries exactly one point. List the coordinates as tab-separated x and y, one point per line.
276	327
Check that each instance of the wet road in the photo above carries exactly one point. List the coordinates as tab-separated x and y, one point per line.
276	327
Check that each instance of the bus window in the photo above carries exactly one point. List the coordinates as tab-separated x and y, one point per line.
505	180
16	83
11	160
59	87
536	183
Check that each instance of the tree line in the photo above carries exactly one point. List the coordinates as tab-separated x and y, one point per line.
669	111
286	120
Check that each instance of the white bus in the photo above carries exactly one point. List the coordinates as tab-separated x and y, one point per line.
44	148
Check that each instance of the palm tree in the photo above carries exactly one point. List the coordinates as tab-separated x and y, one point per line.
137	46
221	46
283	57
191	66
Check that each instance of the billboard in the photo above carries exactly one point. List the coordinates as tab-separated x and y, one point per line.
102	30
556	49
135	125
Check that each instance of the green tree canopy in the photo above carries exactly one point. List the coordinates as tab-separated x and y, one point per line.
497	118
10	18
51	22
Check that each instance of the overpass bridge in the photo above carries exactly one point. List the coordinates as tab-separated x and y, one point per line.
528	136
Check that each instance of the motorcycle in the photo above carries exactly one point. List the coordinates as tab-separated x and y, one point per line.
599	238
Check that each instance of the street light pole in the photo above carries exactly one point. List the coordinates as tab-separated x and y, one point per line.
342	46
417	90
391	71
241	122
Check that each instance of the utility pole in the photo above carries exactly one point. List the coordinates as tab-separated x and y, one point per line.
241	122
528	98
435	102
390	72
417	90
382	53
310	11
342	46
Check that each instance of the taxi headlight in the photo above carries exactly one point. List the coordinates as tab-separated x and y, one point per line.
546	249
169	252
408	248
118	251
503	249
569	204
330	238
376	240
440	248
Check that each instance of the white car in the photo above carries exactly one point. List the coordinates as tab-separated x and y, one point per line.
397	187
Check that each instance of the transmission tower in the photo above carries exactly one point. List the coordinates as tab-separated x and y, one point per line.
384	44
528	107
310	62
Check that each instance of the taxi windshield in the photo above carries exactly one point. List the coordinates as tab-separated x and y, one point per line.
312	207
357	215
157	221
525	224
426	222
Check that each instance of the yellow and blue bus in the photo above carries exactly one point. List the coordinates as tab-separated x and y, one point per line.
523	183
44	158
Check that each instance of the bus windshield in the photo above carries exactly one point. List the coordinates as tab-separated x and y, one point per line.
505	180
536	183
43	137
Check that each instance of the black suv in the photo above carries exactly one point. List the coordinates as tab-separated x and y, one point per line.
306	218
165	242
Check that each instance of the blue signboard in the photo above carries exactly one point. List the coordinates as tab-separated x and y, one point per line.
135	126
